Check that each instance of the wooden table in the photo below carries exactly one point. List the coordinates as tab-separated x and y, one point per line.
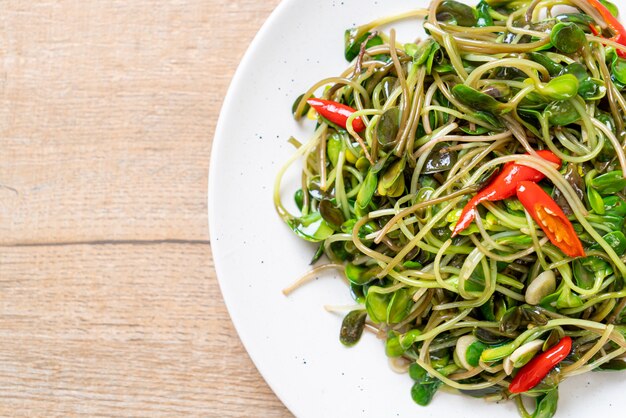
109	302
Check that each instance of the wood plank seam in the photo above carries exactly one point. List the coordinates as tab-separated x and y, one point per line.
106	242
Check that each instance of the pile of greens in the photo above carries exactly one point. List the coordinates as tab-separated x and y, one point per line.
430	124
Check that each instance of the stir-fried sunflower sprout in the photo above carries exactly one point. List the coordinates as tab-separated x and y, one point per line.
412	137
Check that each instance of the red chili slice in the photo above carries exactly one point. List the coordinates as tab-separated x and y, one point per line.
550	217
536	369
337	113
503	187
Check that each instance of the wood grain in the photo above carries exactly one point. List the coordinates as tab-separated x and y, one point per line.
108	299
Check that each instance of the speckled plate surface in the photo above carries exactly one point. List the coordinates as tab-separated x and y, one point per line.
293	340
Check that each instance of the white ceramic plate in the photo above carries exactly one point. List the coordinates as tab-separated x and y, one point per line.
292	340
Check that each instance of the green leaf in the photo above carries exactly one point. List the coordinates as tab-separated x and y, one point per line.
440	359
355	273
353	40
422	52
588	88
484	18
534	101
497	353
392	173
411	50
561	88
519	240
487	309
412	265
531	118
382	163
618	67
393	347
546	405
581	19
561	113
608	152
352	327
584	277
362	164
434	57
592	89
489	118
614	205
440	159
311	227
595	266
568	299
397	189
609	183
443	68
567	37
476	282
425	385
524	358
361	275
475	99
334	145
473	353
457	13
366	192
422	393
595	200
511	320
376	305
616	240
331	214
388	126
553	68
298	197
392	181
500	306
417	372
408	339
576	69
318	254
399	306
357	293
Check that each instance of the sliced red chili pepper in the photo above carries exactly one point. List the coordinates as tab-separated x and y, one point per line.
502	187
550	217
536	369
337	113
612	22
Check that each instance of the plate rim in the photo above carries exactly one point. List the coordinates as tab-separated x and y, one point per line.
216	145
